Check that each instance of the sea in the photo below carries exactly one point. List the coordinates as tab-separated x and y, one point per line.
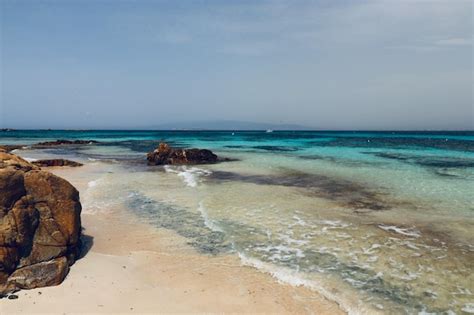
380	222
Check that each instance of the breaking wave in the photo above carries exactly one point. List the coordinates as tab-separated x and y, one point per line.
191	175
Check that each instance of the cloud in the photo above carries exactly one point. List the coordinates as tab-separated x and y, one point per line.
251	49
415	47
438	45
268	27
454	42
173	37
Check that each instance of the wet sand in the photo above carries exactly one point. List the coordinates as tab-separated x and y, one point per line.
132	267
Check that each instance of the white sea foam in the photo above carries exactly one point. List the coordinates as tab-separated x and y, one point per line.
407	276
191	176
29	159
332	224
371	249
169	169
343	235
410	245
280	252
92	183
291	277
96	198
468	308
211	224
287	239
299	221
399	230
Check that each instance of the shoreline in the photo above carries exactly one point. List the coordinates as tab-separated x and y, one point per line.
227	234
132	267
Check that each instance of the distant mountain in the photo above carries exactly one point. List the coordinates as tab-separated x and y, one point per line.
228	125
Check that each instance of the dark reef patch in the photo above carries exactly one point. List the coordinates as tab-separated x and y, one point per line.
397	143
280	135
341	161
63	142
56	162
316	157
446	162
391	156
445	173
187	224
438	162
235	146
259	148
274	148
345	192
141	146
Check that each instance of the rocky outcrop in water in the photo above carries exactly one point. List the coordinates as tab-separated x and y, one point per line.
39	225
56	162
9	147
63	142
166	155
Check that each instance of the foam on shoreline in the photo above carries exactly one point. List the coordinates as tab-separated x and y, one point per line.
291	277
190	175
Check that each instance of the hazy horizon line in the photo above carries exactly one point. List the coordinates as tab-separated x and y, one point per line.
201	129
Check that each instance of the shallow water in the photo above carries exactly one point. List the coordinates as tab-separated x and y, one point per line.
380	222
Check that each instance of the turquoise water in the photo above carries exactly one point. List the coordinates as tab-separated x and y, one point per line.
379	221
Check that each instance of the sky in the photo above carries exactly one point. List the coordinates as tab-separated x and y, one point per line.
103	64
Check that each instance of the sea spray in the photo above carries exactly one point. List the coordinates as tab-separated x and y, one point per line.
190	175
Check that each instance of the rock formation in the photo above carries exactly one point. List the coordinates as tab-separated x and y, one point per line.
56	162
9	148
63	142
39	225
165	154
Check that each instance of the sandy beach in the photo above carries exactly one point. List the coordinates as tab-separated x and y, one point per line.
132	267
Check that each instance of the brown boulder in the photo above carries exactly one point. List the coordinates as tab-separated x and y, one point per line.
11	188
164	155
39	225
12	161
42	274
57	201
